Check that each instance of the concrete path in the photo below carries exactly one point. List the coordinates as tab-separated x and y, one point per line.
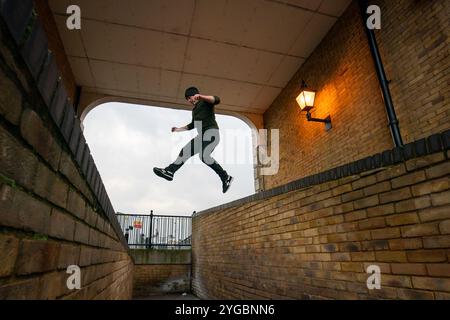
169	297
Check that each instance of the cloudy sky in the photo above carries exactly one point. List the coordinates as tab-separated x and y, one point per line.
127	141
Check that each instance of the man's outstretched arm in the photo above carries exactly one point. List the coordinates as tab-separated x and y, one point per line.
210	99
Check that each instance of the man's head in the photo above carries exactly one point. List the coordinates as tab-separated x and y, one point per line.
190	93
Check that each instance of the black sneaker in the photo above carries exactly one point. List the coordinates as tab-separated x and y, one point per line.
163	173
226	184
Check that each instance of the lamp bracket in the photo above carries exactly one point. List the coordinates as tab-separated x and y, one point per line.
327	120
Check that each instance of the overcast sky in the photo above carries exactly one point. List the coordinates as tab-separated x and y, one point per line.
127	141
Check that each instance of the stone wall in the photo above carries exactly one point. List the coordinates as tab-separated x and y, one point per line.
54	209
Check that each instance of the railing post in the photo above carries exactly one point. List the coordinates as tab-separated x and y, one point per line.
151	229
190	224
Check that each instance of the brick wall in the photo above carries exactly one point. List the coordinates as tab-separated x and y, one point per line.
413	41
160	271
161	256
157	279
54	210
56	45
317	240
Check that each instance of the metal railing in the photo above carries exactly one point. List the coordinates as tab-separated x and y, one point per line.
156	231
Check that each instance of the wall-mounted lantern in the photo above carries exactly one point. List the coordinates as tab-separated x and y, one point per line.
306	100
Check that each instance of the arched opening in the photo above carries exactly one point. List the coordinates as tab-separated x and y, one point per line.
127	140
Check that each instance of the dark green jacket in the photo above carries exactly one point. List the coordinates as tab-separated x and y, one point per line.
204	112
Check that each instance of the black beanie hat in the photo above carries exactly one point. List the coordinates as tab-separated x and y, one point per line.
191	91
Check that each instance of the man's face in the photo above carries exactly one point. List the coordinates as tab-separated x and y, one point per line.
192	100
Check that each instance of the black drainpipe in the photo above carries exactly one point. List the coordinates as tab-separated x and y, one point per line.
77	99
384	83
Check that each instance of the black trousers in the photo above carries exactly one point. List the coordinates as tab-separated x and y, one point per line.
203	144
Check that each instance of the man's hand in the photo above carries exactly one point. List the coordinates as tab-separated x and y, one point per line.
175	129
210	99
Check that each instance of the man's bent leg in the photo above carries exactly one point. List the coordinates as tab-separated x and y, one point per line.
211	139
217	169
188	151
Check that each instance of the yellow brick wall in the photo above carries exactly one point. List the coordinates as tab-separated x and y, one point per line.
317	242
415	41
414	45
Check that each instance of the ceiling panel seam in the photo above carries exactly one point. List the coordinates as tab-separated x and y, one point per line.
192	37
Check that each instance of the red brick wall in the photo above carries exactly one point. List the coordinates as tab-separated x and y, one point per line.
317	242
414	45
50	217
157	279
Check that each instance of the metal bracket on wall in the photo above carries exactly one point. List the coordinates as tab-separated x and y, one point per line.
327	121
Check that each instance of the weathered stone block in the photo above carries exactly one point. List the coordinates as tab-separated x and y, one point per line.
68	255
9	250
48	79
81	233
37	256
48	185
76	204
22	211
59	103
11	150
35	50
34	131
62	225
10	99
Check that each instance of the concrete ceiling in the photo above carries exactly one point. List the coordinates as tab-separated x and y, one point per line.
244	51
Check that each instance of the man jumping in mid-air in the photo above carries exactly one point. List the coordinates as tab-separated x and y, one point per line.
203	118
